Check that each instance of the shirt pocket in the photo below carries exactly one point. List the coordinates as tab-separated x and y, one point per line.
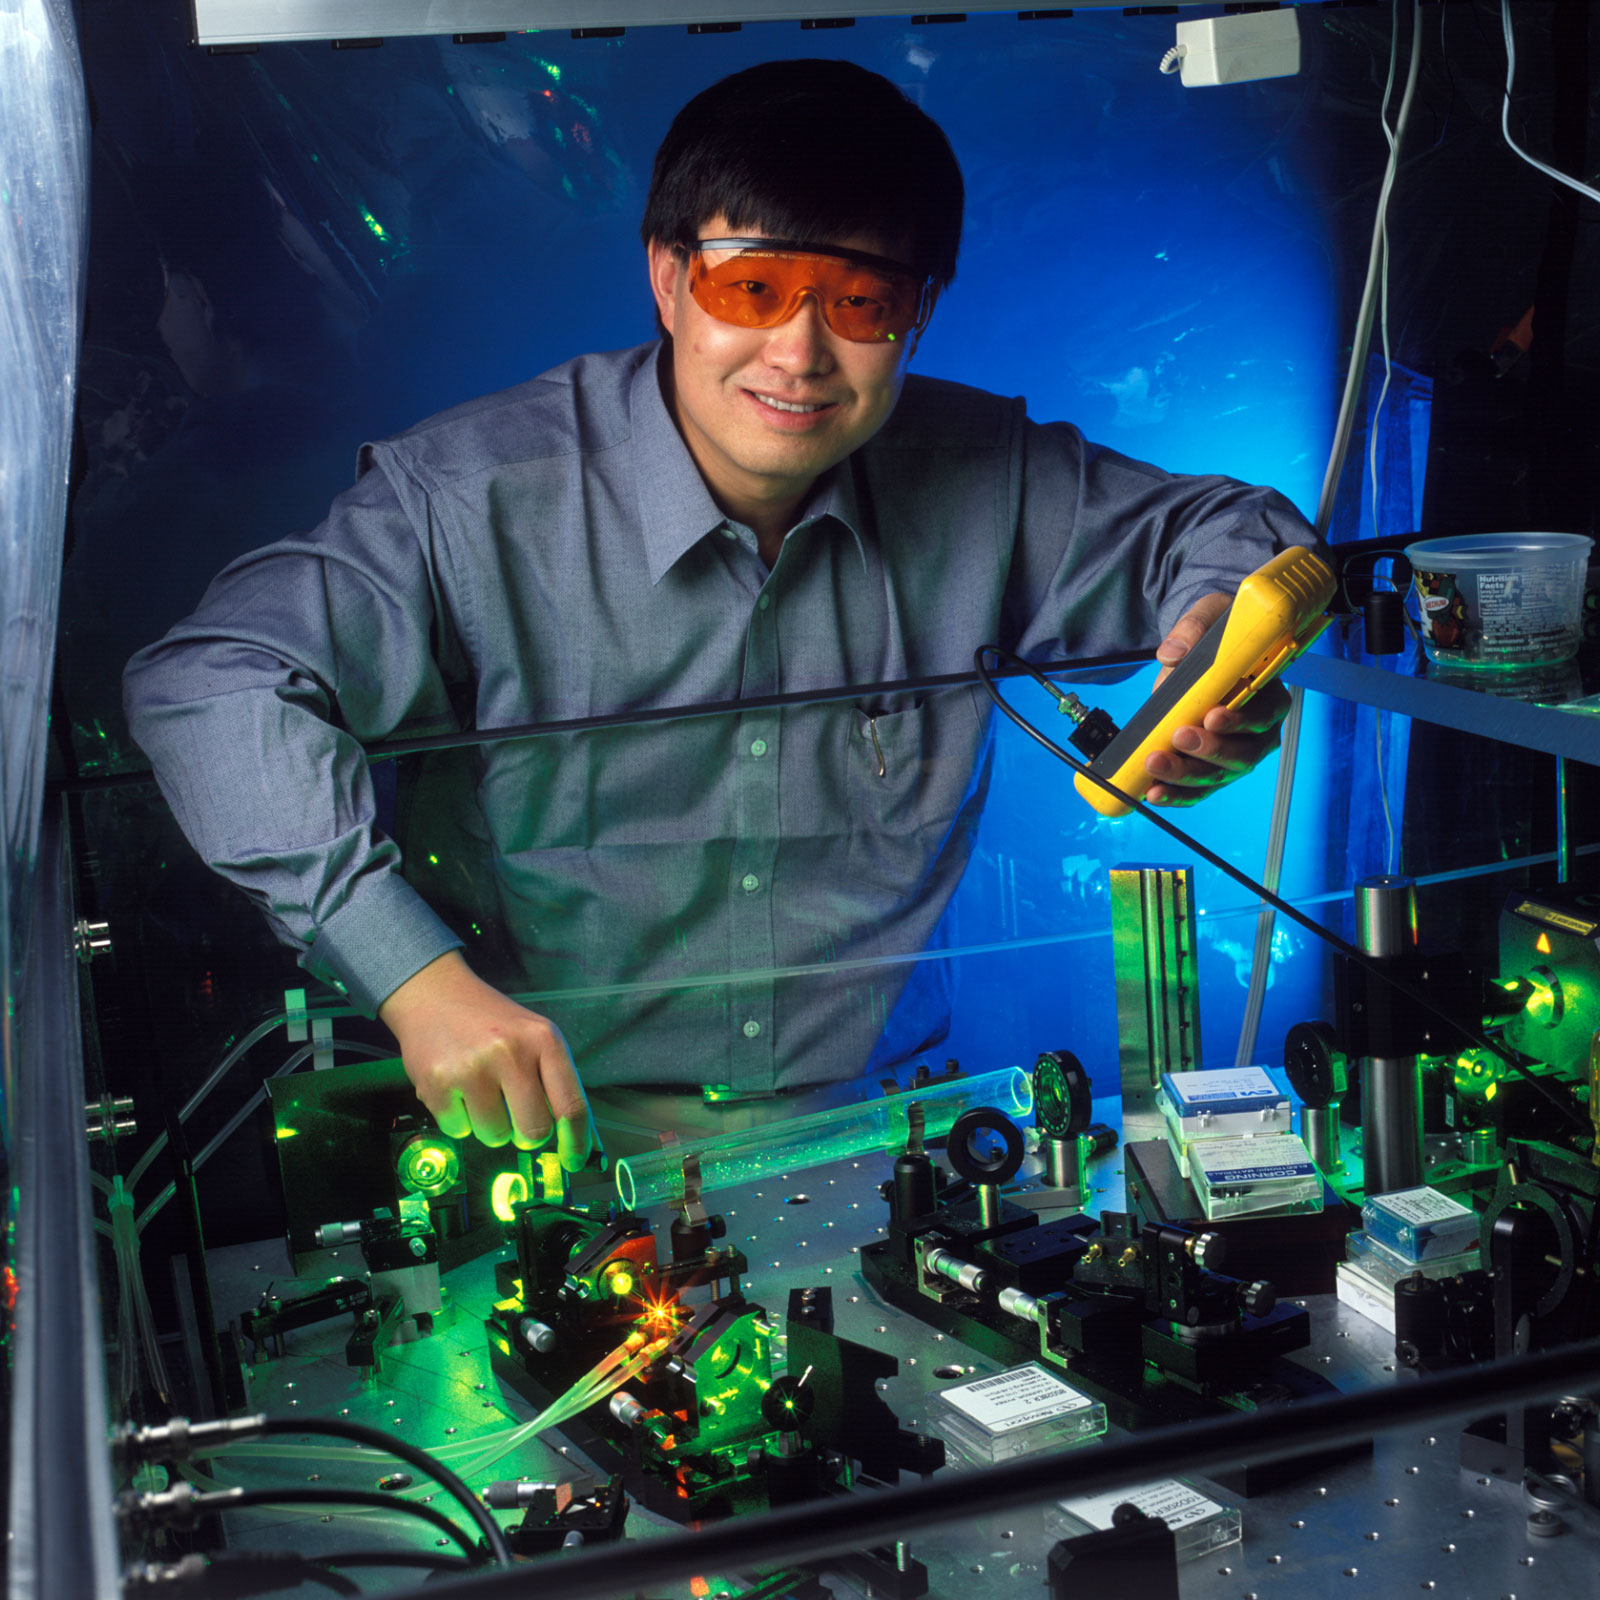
911	768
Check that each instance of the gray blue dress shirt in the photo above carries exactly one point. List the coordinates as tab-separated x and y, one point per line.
698	901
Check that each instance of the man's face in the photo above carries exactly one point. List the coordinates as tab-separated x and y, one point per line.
733	387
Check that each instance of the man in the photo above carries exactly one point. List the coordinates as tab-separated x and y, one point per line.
758	505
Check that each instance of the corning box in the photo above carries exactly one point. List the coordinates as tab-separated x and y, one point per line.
1239	1177
1015	1413
1225	1102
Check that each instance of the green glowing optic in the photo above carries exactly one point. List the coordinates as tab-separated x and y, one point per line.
433	861
552	69
508	1190
1477	1072
373	223
428	1165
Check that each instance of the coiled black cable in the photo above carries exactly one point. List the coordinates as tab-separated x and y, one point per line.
224	1500
358	1433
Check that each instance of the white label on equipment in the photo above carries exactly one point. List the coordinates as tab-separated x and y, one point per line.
1236	1083
1252	1160
1418	1206
1175	1503
1016	1399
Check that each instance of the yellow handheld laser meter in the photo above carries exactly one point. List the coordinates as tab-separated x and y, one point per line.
1279	611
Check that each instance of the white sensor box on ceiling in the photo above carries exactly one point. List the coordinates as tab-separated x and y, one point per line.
1239	49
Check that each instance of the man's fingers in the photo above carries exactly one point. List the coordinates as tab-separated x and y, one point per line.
1262	712
1190	628
450	1112
487	1107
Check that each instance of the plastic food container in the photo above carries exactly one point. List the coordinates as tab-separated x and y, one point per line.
1501	599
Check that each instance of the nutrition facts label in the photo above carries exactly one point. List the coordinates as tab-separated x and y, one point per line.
1525	611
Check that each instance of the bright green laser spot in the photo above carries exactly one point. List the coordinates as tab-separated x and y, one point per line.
508	1190
373	224
428	1165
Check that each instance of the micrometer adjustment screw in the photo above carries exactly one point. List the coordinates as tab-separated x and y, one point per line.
537	1335
626	1409
969	1277
1207	1250
1024	1306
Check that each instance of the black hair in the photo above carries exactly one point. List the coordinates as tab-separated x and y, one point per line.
810	150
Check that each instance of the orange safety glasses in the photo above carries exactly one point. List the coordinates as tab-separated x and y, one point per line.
759	283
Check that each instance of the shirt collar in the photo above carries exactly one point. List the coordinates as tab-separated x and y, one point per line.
676	510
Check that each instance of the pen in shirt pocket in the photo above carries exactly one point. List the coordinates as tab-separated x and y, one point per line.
871	720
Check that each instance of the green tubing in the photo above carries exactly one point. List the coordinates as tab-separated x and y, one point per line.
869	1127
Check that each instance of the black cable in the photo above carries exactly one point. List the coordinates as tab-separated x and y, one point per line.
810	1531
1350	951
224	1500
473	737
310	1572
358	1433
392	1558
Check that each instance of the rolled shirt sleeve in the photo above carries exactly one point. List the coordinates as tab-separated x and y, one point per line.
253	713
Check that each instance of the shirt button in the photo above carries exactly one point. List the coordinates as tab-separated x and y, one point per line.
758	747
750	883
764	601
751	1029
728	533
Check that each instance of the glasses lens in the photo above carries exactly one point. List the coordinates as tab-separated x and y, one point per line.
762	288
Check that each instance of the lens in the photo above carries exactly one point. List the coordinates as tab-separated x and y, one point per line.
763	288
428	1165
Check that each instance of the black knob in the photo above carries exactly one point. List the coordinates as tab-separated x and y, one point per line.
1257	1298
1315	1064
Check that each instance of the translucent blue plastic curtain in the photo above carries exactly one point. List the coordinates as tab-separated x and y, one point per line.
43	211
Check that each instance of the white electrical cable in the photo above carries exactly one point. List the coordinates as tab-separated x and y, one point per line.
231	1126
1173	59
1505	113
227	1064
1376	427
1266	920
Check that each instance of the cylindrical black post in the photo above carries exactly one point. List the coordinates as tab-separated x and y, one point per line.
1391	1091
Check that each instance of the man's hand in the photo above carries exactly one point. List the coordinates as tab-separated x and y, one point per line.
1227	744
484	1065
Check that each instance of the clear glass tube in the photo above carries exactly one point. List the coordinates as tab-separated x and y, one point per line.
865	1128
